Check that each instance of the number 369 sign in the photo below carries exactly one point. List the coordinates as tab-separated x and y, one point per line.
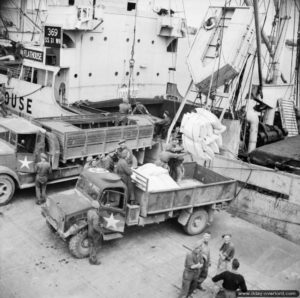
52	37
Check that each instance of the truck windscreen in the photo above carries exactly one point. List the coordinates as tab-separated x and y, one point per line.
88	188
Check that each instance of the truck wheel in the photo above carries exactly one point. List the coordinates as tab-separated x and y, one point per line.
79	245
197	222
7	189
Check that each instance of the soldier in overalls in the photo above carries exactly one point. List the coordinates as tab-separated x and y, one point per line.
43	170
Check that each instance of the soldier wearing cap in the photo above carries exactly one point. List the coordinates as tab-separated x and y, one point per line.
204	244
192	268
163	125
95	234
125	172
43	170
127	153
226	253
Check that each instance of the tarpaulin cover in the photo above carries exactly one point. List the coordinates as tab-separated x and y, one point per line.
285	153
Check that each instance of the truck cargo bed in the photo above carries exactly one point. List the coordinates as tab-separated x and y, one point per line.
199	186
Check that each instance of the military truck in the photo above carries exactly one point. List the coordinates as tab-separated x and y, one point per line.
192	202
67	141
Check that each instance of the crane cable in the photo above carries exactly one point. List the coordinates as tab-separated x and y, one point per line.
132	61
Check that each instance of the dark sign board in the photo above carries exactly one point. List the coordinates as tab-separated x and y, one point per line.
52	37
33	55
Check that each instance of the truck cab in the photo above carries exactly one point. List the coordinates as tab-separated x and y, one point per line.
66	212
21	142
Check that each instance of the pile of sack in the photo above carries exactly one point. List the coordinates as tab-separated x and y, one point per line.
202	134
159	178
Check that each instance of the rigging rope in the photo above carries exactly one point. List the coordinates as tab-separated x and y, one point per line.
131	61
24	14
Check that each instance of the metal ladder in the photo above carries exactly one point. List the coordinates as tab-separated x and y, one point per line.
288	116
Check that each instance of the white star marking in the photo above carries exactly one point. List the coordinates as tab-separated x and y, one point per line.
25	163
111	221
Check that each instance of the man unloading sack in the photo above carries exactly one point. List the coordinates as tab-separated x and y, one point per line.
95	234
172	159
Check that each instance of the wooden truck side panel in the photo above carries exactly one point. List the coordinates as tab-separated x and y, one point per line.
190	193
77	142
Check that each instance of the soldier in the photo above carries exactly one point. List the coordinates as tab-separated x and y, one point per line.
108	162
2	101
90	163
43	170
124	171
192	269
95	233
226	253
140	109
163	125
204	244
127	152
175	161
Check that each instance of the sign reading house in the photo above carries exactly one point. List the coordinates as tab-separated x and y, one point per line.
52	37
33	55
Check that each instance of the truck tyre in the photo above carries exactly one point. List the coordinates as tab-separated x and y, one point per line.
79	245
197	222
7	189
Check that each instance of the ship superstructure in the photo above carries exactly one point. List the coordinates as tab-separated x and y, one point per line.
86	51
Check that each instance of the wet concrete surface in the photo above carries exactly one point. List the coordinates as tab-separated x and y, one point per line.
147	262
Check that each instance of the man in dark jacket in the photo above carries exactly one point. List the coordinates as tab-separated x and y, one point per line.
226	253
232	281
94	233
43	170
124	171
192	268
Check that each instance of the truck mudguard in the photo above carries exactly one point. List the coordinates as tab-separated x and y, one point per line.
10	172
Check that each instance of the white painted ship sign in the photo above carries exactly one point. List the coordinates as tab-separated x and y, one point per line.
33	55
52	37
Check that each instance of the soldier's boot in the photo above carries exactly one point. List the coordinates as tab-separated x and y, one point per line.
94	261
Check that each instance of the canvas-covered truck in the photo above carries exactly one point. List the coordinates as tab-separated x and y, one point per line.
192	202
67	141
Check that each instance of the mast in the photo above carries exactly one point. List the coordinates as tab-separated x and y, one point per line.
258	46
297	68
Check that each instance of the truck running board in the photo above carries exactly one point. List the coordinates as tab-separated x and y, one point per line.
112	236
